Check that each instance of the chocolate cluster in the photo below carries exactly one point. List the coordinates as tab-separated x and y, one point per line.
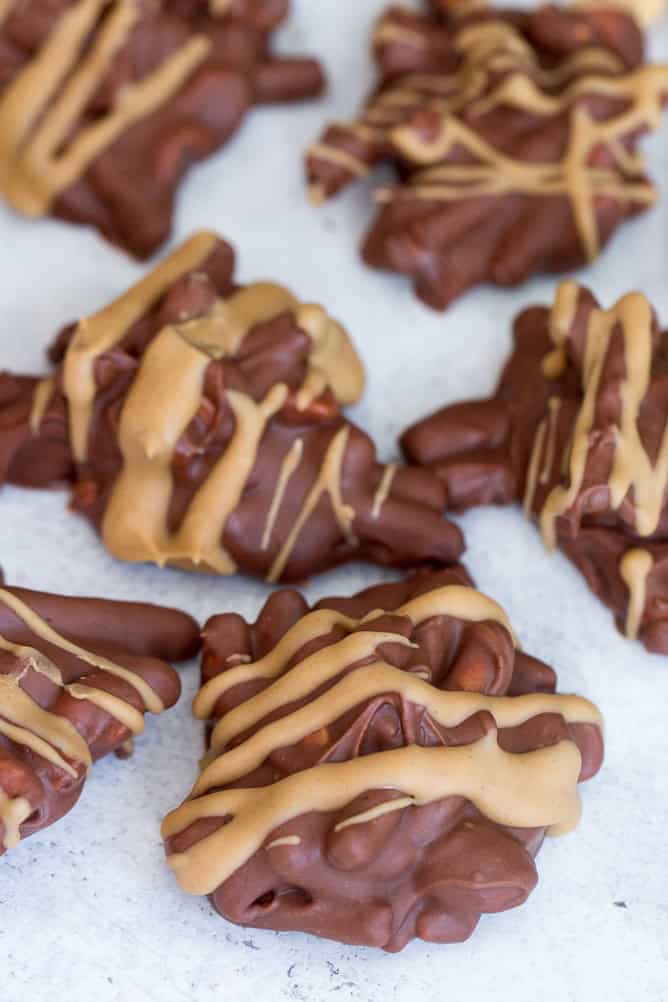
514	135
380	768
104	104
577	432
77	676
201	426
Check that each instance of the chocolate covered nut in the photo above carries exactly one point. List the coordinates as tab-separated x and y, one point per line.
514	135
77	676
577	432
381	768
104	104
201	424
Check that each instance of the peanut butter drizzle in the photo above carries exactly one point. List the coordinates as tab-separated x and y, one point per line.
42	105
632	467
492	47
457	601
41	629
340	157
40	402
100	333
286	840
635	569
166	395
327	483
379	811
290	463
50	736
450	709
34	660
534	466
562	318
384	488
297	683
536	789
13	812
153	420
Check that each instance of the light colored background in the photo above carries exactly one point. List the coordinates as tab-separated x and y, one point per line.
88	910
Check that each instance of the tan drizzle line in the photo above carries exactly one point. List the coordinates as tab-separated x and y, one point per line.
379	811
384	488
531	790
562	318
34	660
13	810
339	157
332	361
328	483
135	521
632	467
534	466
456	601
635	569
297	683
40	402
290	463
449	709
41	107
53	738
98	334
285	840
41	629
496	174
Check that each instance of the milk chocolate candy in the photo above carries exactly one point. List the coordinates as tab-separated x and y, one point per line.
104	104
381	768
77	676
514	136
201	425
577	431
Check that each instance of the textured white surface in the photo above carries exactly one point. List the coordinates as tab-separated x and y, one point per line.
88	910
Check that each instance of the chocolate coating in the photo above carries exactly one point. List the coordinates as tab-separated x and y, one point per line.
513	135
213	62
312	494
382	878
578	433
69	697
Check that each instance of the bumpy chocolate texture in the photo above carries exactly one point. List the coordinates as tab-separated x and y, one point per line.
77	676
202	425
514	135
577	430
104	104
381	768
